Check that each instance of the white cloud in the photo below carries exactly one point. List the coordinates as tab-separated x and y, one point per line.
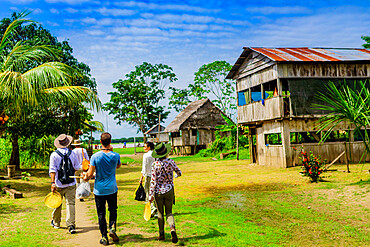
95	32
71	10
111	12
54	11
52	24
279	10
173	18
36	11
21	1
177	7
72	2
14	9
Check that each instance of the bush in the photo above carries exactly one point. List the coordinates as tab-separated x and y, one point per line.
312	166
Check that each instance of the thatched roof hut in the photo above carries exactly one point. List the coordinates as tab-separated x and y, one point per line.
194	127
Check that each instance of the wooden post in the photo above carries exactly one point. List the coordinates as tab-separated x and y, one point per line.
346	156
135	145
237	141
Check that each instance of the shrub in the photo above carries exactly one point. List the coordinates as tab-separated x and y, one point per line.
312	166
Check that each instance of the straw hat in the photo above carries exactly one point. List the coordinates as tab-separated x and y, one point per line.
62	141
161	150
53	200
76	142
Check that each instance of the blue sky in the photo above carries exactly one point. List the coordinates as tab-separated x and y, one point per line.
114	36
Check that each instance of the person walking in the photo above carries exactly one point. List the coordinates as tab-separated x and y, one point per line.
105	163
80	154
66	189
146	172
162	188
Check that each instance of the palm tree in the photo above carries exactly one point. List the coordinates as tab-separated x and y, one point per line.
346	103
31	77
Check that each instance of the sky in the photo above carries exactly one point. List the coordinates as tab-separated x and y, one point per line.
112	37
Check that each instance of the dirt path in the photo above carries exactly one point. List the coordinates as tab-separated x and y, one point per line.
88	233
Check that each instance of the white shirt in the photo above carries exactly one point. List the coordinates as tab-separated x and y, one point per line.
147	164
78	152
55	160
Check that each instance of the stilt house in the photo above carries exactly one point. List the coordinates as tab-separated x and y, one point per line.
156	134
194	128
276	88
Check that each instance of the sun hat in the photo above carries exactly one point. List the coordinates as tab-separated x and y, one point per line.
53	199
76	142
161	150
62	141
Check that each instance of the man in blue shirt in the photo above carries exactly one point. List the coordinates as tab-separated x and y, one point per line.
105	163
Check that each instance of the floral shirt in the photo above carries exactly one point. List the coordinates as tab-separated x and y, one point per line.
162	176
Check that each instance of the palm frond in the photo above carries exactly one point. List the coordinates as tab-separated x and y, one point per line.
12	27
48	75
98	125
73	95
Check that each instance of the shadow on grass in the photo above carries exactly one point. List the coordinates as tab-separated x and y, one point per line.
250	187
135	238
7	209
213	233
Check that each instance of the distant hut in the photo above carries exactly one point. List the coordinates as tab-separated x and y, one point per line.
194	128
276	88
156	136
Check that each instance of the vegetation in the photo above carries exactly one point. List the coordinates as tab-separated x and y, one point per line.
40	94
346	103
209	81
218	203
137	99
367	40
312	166
225	139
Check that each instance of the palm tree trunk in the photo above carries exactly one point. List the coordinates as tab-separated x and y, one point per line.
14	158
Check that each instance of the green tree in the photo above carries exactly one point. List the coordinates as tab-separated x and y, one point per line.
346	103
32	80
209	81
367	40
138	98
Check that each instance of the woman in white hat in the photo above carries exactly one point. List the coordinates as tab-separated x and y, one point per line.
162	188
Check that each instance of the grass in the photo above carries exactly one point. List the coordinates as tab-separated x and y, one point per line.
218	203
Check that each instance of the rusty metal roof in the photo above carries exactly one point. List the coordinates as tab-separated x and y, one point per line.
304	54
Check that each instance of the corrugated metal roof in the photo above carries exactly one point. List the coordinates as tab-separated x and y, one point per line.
314	54
154	129
304	54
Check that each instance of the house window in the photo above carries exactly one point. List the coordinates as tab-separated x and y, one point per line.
194	132
176	134
273	139
304	137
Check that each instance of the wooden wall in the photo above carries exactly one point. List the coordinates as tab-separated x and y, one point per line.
273	108
323	70
285	156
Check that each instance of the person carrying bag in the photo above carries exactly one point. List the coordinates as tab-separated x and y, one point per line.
162	188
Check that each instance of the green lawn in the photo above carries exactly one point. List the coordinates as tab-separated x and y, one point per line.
218	203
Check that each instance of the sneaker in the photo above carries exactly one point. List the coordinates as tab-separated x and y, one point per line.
53	225
72	229
113	235
174	237
104	241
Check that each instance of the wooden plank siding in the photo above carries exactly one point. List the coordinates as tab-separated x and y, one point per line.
255	111
323	70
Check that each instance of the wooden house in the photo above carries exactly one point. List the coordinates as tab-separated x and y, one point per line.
156	134
194	128
276	88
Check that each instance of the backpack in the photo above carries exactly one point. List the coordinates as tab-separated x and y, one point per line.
66	168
